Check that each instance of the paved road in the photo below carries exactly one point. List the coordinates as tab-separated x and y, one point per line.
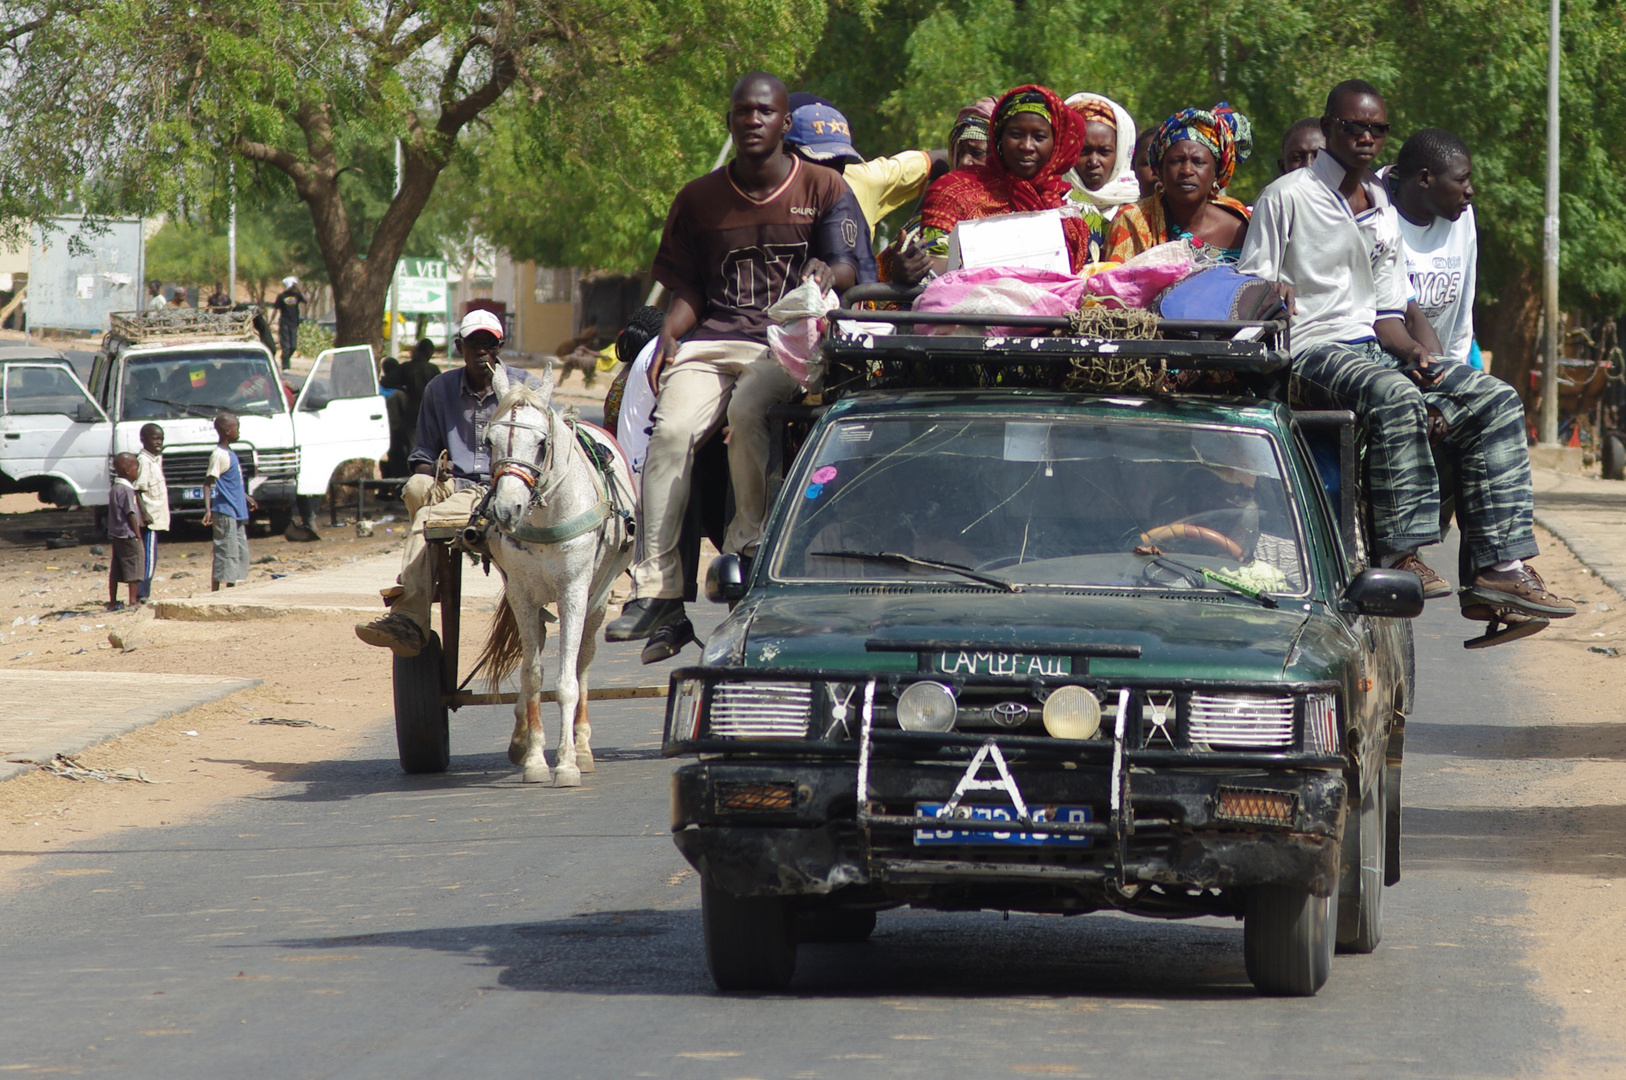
359	923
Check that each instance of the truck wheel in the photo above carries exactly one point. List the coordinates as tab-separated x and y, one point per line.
280	518
1287	939
834	925
1365	859
750	940
422	736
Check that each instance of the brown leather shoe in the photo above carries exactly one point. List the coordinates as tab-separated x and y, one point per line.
1521	589
1434	586
395	632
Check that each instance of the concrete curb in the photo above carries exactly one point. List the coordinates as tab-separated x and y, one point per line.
112	729
1590	555
205	611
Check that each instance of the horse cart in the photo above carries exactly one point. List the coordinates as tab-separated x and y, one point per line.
428	687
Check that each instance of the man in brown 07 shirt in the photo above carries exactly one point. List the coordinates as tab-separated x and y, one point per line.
736	240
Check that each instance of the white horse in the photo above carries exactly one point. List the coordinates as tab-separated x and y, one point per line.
561	533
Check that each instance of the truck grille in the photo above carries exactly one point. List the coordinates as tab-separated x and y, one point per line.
277	462
190	468
1241	720
745	710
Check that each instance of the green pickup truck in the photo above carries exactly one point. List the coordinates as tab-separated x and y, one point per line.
1020	638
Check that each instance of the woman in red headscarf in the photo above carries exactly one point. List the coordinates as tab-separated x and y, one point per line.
1035	141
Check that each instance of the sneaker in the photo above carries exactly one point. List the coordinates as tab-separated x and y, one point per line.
641	618
395	632
668	641
1434	586
1520	589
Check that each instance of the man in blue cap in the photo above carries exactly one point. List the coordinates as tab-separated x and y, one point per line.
820	133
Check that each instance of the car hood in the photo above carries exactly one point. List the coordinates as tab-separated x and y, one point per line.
1180	636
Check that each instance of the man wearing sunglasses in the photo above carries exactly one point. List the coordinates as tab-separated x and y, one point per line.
1330	237
457	405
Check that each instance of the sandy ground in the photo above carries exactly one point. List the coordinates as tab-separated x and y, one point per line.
315	669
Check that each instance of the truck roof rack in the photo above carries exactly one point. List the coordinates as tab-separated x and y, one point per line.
180	326
1049	351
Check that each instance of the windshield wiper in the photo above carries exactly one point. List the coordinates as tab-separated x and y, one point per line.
1197	575
912	560
182	405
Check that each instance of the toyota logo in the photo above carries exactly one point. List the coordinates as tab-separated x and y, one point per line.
1010	714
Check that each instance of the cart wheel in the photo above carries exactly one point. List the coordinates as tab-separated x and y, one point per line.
422	738
1614	456
1287	939
750	940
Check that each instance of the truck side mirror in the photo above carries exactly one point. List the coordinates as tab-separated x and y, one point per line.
1391	594
725	580
85	413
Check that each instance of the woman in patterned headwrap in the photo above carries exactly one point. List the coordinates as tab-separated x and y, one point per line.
968	138
1104	177
1195	153
1035	141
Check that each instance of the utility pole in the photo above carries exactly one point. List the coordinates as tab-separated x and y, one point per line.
395	271
231	239
1554	335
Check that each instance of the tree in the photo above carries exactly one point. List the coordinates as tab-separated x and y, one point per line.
585	177
128	105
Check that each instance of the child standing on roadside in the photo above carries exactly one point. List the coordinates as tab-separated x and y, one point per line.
154	498
128	564
226	506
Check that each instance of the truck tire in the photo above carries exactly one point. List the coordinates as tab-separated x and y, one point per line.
1287	939
1365	862
422	733
750	940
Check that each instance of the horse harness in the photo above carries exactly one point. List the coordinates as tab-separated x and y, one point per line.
531	474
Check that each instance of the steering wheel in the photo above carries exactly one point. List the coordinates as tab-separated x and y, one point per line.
1180	530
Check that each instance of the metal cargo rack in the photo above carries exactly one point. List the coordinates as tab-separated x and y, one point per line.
177	327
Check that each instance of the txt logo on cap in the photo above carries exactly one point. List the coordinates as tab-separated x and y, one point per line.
821	133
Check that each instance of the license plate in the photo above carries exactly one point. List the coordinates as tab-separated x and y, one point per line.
194	493
1015	665
1069	814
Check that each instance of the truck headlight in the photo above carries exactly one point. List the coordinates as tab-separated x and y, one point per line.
926	706
1071	712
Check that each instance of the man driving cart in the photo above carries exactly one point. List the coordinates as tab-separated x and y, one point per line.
451	472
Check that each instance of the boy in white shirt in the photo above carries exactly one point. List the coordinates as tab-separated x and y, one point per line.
154	494
1432	187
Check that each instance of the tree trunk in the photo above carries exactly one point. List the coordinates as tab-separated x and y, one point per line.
1515	320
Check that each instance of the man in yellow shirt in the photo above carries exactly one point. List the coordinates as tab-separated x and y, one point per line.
821	134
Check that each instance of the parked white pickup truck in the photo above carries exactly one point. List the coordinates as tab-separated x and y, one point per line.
178	369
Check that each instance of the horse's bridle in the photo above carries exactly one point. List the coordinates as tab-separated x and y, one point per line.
530	473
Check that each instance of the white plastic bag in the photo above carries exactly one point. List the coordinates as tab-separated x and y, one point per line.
798	324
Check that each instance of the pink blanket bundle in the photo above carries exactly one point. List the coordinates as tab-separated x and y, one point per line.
1018	290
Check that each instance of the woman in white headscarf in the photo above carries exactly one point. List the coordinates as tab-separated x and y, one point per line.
1104	177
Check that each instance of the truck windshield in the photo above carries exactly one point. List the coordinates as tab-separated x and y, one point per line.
1044	502
173	385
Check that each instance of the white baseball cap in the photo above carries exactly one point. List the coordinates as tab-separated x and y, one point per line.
289	282
480	319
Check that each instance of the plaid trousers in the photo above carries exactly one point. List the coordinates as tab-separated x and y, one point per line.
1489	465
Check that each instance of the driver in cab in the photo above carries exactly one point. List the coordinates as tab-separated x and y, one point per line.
451	471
